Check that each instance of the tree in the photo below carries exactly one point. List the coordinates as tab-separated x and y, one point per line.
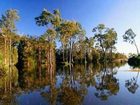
68	31
7	24
8	20
47	18
129	36
51	21
111	40
50	36
89	42
105	38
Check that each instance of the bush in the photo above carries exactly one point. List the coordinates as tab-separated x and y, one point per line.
134	61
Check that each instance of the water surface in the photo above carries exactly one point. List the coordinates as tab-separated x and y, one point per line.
86	85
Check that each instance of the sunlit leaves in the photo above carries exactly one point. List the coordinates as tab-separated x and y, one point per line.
47	18
8	19
105	37
67	30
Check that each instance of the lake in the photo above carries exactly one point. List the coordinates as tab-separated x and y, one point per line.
79	85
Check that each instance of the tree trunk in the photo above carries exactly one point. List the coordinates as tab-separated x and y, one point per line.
63	53
4	50
70	55
10	52
67	53
39	62
85	54
50	59
46	58
5	85
136	47
10	64
111	54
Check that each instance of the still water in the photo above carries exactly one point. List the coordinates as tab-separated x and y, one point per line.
79	85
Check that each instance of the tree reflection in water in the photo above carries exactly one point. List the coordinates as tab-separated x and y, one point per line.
66	85
70	92
51	94
106	83
73	88
131	84
8	87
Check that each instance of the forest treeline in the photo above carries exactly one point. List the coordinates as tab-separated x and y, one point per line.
76	47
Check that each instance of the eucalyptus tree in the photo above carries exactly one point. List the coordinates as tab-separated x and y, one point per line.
51	21
99	33
7	24
111	40
79	35
105	38
5	43
83	48
68	31
129	36
78	52
88	43
50	36
8	20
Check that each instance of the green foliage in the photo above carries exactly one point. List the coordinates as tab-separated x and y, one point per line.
47	18
8	19
76	47
134	61
105	38
67	29
129	36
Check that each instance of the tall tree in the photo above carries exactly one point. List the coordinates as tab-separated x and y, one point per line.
51	21
67	31
129	36
111	40
7	24
105	38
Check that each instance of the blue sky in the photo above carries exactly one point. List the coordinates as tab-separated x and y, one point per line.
118	14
